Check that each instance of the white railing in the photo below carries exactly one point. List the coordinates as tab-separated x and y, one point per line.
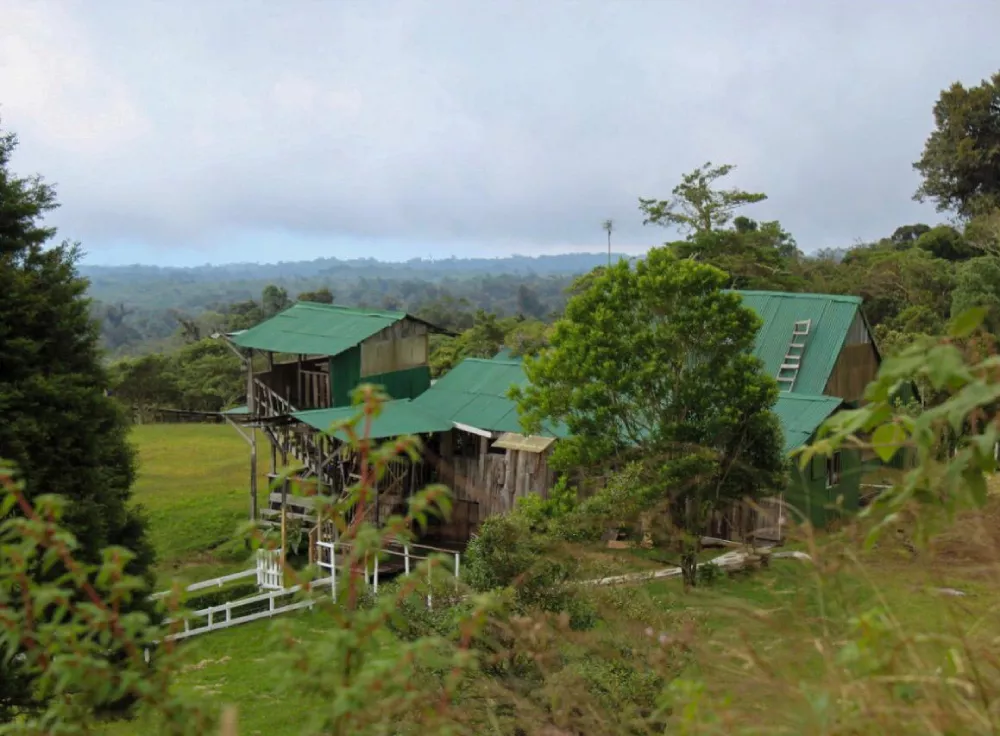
269	574
228	614
329	562
213	583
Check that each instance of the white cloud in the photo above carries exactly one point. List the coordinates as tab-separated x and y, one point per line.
53	90
501	124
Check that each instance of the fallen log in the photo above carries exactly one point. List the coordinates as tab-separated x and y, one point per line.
732	560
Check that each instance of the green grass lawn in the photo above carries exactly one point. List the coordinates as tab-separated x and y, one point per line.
194	483
762	641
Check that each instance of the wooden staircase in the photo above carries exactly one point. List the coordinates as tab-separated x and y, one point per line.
300	446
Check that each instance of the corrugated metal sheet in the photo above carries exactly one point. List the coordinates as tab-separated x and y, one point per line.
832	317
316	329
397	418
475	393
801	415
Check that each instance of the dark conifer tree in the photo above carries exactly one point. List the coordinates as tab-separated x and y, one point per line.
57	425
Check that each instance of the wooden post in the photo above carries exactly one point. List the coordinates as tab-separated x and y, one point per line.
252	410
375	587
333	569
406	559
284	534
484	445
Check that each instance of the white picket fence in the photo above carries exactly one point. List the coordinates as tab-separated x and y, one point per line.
230	613
270	577
270	570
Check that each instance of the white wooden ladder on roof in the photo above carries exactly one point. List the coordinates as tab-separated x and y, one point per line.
792	361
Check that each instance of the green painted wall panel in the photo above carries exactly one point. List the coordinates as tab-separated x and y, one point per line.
809	499
345	373
405	384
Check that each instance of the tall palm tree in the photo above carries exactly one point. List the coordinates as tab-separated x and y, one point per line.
607	226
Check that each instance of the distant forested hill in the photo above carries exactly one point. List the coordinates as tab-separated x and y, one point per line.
143	307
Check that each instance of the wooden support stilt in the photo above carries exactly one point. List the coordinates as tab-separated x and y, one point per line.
284	533
252	409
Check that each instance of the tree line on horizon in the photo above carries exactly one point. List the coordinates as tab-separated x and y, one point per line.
911	281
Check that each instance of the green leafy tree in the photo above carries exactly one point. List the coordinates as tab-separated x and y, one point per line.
755	255
983	232
892	281
695	205
274	299
528	303
145	384
960	164
243	315
905	236
653	364
527	337
947	243
209	376
321	296
64	434
978	285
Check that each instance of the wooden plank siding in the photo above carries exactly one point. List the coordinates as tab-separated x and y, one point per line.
856	367
494	480
857	364
397	347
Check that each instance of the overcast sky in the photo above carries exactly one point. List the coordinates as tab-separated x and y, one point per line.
182	133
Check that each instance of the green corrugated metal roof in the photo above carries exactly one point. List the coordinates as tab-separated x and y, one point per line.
831	317
475	393
397	418
800	416
316	329
237	410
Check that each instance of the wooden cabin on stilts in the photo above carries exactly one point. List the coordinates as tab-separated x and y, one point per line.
302	368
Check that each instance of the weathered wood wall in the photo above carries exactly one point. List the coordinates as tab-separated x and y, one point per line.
856	365
764	520
397	347
496	480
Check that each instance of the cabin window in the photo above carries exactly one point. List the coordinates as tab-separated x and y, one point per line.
833	470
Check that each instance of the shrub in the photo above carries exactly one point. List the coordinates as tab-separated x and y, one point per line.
506	553
542	514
